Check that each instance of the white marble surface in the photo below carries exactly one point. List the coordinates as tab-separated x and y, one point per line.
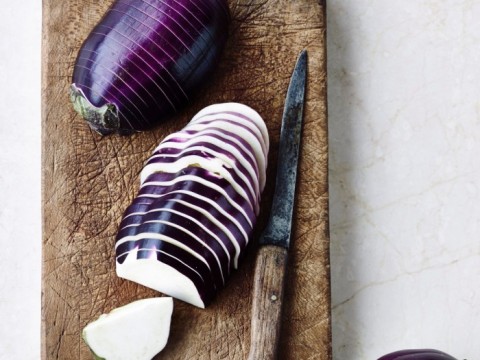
404	106
404	114
20	229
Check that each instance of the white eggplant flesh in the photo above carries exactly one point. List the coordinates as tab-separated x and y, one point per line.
147	273
199	198
136	331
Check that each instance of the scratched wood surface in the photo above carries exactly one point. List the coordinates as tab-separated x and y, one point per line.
88	180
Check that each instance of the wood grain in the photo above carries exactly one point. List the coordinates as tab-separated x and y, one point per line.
267	302
88	181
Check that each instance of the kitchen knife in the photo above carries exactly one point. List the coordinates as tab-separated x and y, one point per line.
275	240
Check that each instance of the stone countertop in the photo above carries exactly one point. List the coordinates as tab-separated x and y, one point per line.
404	132
404	135
20	178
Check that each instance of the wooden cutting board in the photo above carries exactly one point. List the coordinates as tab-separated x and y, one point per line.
88	181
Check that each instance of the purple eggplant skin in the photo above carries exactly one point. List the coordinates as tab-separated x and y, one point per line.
145	60
417	354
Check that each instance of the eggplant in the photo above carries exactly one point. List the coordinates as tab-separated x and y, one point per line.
145	60
417	354
193	217
136	331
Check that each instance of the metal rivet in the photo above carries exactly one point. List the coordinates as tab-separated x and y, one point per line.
273	297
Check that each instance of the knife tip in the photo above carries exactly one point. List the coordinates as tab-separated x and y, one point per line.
302	59
303	54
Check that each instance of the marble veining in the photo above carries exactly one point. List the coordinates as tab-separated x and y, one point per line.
404	130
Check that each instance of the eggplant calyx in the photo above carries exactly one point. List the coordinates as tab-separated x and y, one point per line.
103	119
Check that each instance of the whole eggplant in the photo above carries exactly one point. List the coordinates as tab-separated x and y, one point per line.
144	61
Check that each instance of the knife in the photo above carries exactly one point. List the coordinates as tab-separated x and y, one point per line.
274	242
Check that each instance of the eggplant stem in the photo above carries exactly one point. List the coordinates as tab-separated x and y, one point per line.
103	119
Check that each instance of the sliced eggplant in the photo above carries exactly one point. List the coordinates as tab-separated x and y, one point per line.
195	211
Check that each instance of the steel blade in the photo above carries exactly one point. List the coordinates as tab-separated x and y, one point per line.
278	229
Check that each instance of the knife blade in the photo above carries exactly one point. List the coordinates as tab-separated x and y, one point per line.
274	242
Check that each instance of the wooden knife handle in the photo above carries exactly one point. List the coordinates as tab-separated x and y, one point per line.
267	302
